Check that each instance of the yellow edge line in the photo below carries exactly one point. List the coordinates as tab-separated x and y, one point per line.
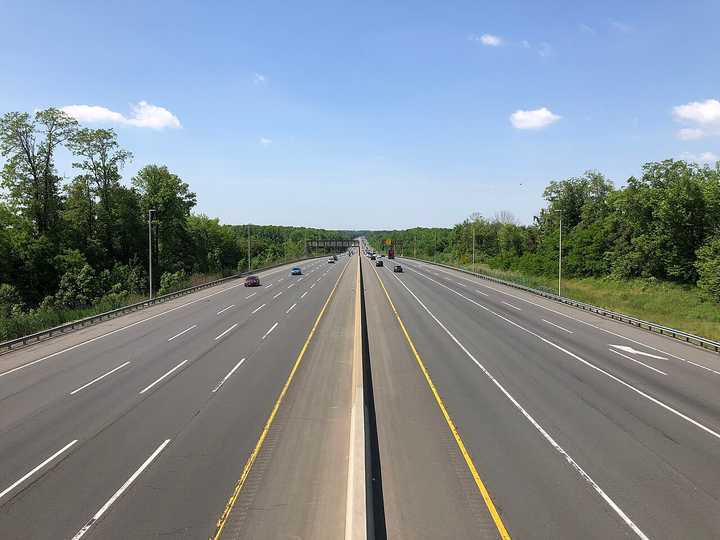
453	429
258	446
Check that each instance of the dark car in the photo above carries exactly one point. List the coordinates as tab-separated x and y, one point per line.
397	268
252	281
296	271
372	257
378	263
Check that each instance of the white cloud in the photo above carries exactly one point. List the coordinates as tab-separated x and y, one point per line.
704	157
488	40
535	119
259	78
525	44
701	112
143	114
265	141
587	29
704	115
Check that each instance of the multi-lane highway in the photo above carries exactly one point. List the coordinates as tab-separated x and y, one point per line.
229	413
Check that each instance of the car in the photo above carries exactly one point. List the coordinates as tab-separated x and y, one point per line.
296	271
252	281
378	263
397	268
372	257
334	257
331	260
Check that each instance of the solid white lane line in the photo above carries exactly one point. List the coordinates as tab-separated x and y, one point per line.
510	305
273	327
593	326
250	296
291	308
181	364
278	294
303	294
36	469
291	285
637	361
226	377
581	472
258	309
311	286
557	326
225	309
181	333
101	377
480	292
268	286
120	491
227	331
588	364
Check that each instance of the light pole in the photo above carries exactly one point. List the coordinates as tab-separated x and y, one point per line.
435	248
150	213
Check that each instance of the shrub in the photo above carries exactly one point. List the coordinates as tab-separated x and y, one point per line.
708	268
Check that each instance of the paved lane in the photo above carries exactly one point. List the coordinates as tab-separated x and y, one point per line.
645	469
118	426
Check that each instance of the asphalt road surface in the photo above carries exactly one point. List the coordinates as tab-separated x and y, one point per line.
226	414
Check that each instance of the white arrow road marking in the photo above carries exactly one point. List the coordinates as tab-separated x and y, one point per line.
630	350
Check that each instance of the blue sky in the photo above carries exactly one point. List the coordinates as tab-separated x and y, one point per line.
375	114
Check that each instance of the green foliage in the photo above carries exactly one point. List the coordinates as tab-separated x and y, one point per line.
173	281
708	268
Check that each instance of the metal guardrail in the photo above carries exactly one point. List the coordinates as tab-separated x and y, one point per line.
705	343
22	341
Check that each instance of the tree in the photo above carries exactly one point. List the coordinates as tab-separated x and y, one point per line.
172	200
101	160
29	144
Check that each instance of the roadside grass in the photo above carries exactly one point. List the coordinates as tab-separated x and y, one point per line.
669	304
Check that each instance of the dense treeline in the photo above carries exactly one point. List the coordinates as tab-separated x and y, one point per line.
77	244
664	225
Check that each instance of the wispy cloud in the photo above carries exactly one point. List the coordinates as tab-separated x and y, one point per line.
489	40
586	28
545	50
265	142
143	114
703	116
704	157
621	26
533	119
259	78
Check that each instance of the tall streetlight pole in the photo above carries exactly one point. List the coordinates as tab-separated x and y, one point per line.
435	248
150	213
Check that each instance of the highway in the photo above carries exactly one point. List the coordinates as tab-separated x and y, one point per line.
228	413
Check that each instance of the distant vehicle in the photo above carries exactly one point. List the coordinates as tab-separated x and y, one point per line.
296	271
252	281
331	260
397	268
378	263
372	257
391	253
334	257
